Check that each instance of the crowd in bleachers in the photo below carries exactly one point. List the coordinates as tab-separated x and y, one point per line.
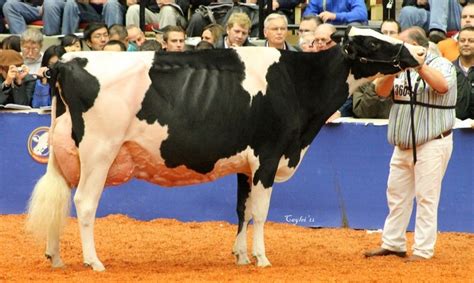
112	25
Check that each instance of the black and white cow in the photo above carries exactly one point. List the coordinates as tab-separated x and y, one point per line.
184	118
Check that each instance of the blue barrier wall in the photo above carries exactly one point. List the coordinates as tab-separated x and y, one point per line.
341	181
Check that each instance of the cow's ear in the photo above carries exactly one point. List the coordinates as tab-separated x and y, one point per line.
82	62
338	36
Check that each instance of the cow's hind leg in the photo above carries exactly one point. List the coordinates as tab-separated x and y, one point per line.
95	164
48	209
260	202
244	214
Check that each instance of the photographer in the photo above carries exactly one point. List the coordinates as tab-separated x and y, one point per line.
16	84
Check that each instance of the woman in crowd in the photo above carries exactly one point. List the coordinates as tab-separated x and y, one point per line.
16	84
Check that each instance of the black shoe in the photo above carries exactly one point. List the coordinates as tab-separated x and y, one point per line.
437	35
384	252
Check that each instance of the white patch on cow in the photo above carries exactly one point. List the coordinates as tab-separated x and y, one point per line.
257	61
285	172
369	32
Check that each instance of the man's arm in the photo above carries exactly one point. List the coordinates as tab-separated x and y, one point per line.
384	85
434	79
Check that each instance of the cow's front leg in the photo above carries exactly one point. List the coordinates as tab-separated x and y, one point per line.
244	214
260	202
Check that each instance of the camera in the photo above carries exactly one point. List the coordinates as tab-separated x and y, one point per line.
19	69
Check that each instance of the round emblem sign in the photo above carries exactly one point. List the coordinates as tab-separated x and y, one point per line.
38	144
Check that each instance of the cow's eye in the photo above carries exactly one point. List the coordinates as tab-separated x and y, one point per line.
373	45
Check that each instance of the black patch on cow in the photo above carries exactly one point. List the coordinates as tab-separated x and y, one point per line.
243	192
199	96
79	91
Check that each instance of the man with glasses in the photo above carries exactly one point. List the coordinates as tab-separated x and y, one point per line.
31	42
275	29
96	36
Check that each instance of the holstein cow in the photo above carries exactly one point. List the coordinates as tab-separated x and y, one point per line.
184	118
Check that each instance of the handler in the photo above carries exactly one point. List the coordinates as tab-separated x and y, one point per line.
417	175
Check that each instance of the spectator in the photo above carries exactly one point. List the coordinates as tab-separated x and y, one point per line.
434	16
2	17
18	13
96	36
465	74
173	39
449	47
71	43
11	42
42	92
162	12
338	12
322	37
136	37
31	42
434	84
150	45
365	102
204	45
212	33
306	42
238	29
115	45
275	29
101	11
120	33
309	23
16	83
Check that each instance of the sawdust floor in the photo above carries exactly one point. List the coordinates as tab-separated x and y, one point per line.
169	250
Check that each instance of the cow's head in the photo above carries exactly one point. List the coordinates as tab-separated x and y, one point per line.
374	54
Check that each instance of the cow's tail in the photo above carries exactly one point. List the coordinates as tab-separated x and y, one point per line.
50	202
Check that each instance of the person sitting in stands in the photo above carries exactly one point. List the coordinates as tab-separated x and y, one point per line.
204	45
161	12
436	17
19	13
275	29
96	36
101	11
71	43
115	45
42	93
338	12
11	42
150	45
465	74
31	42
238	29
119	33
17	84
174	39
212	33
136	37
449	47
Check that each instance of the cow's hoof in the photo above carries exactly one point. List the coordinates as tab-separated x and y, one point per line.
242	259
262	261
56	261
97	266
